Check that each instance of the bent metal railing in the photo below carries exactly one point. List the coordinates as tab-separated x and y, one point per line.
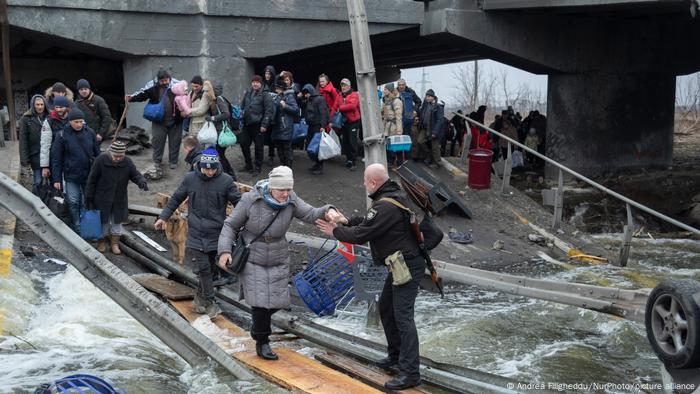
559	192
155	315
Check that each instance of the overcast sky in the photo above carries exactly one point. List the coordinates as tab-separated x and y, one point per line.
442	79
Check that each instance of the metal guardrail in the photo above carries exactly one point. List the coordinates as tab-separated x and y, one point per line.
156	316
559	193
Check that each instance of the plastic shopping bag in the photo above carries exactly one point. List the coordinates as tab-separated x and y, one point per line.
328	148
90	225
207	135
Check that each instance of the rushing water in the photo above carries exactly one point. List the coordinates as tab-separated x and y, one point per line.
72	327
58	324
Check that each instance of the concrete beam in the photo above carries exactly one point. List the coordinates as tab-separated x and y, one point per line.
378	11
145	34
551	43
598	123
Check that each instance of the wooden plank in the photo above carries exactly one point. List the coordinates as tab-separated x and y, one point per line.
292	371
167	288
356	369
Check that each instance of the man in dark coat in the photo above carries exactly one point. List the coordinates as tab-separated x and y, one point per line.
95	108
30	137
317	116
432	119
387	228
209	191
106	190
72	153
258	113
170	127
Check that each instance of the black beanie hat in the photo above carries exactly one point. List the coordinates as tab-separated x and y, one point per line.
76	114
83	83
430	92
279	83
197	79
58	87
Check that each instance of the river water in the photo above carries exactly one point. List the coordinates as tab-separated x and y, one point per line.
56	323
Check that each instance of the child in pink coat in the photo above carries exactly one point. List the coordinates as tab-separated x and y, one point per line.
182	99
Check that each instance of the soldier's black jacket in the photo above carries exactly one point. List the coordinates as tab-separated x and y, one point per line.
385	226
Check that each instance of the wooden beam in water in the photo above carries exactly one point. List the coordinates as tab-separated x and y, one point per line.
292	371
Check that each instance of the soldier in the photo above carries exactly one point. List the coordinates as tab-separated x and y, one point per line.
387	228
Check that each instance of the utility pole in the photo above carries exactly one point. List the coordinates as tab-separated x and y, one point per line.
5	30
366	83
476	86
423	82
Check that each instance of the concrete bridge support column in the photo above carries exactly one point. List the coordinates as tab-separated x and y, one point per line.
232	71
611	121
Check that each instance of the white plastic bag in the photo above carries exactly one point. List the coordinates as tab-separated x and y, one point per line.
517	158
328	148
207	134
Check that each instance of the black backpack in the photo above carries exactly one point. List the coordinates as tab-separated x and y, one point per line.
431	233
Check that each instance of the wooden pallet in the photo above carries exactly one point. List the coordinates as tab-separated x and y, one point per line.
165	287
373	377
292	371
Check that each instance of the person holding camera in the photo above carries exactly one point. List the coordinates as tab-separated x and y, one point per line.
264	216
209	191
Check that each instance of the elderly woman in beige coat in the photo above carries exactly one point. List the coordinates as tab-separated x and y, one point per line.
265	278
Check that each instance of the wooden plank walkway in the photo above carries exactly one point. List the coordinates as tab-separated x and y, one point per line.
292	371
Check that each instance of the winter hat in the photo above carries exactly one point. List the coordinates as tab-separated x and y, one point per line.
162	73
390	86
61	101
83	83
118	147
345	81
281	178
279	83
58	87
76	114
256	78
209	159
197	79
430	92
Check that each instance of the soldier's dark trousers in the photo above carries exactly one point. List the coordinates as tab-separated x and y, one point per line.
396	309
262	324
203	264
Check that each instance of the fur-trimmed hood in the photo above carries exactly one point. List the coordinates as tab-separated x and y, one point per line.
49	94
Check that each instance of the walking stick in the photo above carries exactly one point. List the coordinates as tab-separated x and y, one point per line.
121	122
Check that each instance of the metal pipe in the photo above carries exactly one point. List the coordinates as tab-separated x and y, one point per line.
587	180
143	260
156	316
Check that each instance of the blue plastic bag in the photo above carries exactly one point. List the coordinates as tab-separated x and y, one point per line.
314	145
90	225
301	130
338	120
155	112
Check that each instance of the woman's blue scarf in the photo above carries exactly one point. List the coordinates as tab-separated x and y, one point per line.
264	189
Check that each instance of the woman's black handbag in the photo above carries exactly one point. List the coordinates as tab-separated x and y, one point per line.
241	250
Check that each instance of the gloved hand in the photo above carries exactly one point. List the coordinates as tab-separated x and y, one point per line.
144	186
210	119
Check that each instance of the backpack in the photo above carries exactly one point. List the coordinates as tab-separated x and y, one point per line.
431	235
407	99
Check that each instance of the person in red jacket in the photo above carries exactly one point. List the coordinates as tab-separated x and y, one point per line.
327	91
348	103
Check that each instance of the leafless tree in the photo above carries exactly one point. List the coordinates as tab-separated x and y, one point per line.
511	96
474	87
688	104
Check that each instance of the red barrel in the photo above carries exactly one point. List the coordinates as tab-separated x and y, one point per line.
480	168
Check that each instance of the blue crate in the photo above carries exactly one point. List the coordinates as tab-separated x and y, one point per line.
398	143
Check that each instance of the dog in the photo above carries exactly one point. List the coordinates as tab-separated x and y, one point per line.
176	233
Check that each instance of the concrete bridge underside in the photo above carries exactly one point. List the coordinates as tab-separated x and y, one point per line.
611	65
